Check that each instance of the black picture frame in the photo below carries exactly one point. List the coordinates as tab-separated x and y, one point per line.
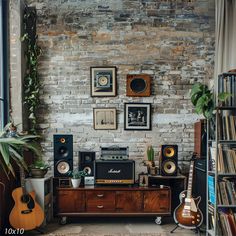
137	116
103	81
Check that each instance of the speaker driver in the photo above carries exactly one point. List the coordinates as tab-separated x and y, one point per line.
87	170
63	151
169	167
138	85
63	167
169	151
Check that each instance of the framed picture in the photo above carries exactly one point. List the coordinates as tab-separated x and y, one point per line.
137	116
143	180
103	81
138	85
104	118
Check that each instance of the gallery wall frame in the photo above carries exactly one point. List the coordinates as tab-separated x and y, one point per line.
137	116
138	85
104	118
103	81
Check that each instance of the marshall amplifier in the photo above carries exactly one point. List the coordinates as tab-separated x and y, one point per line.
114	172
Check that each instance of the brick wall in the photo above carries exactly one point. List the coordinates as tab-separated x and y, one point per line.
172	40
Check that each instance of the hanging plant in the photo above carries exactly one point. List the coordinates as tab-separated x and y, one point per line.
31	79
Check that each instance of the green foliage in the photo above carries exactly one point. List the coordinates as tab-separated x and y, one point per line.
40	164
150	153
76	174
11	149
203	99
31	79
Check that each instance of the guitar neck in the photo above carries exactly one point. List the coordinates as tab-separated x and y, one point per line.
22	180
190	180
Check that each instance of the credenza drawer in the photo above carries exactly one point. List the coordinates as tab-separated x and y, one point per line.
100	201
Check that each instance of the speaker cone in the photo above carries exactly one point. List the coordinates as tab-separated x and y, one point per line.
63	167
169	151
63	151
87	170
169	167
138	85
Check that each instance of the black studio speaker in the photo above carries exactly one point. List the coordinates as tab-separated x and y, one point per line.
86	162
169	160
63	154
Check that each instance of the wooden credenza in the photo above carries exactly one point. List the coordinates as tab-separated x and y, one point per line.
113	201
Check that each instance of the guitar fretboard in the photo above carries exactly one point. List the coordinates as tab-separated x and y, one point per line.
190	180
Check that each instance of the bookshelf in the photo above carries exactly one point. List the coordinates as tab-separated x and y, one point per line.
221	162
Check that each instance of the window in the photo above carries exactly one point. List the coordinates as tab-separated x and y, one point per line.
3	64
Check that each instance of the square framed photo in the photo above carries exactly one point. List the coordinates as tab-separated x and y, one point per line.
143	180
104	118
137	116
103	81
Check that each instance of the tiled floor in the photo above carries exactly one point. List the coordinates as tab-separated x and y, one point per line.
144	226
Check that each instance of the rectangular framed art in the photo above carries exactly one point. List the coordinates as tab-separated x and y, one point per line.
104	118
137	116
103	81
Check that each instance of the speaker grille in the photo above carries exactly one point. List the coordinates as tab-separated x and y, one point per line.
63	154
169	160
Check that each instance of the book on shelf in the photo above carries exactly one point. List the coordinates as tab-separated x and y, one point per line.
211	217
226	158
227	84
227	222
211	189
226	194
226	121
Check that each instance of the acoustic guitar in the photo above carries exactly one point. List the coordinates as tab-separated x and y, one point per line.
26	213
187	214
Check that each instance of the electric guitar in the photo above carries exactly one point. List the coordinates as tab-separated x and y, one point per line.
26	213
187	214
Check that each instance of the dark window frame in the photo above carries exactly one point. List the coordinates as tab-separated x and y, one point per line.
4	55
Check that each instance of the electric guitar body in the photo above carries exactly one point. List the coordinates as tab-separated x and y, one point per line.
26	213
188	216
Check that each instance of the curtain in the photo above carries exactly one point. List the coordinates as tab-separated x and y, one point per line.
225	52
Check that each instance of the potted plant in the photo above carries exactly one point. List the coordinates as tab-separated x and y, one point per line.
12	146
38	169
76	176
203	99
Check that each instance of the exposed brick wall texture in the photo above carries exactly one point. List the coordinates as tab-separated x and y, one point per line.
172	40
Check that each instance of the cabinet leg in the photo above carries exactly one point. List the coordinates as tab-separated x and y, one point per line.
158	220
63	220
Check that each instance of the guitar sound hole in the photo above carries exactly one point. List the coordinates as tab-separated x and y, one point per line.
25	198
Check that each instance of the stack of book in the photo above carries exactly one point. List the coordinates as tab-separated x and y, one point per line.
226	125
226	159
227	220
226	193
227	84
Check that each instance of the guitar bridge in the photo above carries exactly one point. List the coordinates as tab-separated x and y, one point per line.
26	211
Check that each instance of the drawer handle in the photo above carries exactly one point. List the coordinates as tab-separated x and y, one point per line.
100	206
163	195
163	208
100	195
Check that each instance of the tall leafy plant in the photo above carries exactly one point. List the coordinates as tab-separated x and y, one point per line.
203	99
12	148
31	79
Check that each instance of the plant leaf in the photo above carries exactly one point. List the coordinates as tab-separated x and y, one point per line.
224	96
5	153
